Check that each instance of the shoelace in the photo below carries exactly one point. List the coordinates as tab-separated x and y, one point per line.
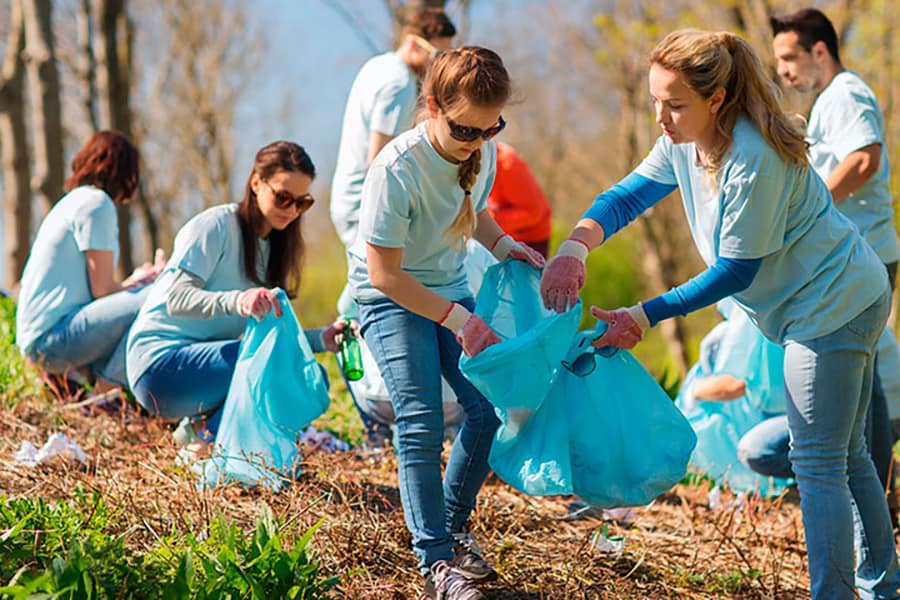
451	583
468	542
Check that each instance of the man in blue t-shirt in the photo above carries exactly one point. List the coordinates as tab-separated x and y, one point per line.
847	148
380	106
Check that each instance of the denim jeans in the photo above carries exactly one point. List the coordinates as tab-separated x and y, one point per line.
412	352
829	385
92	336
190	381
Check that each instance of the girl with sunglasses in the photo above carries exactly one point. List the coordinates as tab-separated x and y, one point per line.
424	196
184	343
766	225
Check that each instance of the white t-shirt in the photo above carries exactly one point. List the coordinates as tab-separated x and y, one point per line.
846	117
55	282
383	100
411	196
210	247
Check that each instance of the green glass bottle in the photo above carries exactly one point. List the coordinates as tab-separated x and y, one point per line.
351	356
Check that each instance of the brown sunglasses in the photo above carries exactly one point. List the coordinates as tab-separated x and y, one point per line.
284	199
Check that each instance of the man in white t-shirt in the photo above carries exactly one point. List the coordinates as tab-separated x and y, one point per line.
847	148
380	106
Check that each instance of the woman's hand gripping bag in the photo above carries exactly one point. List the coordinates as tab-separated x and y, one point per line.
530	449
277	389
627	440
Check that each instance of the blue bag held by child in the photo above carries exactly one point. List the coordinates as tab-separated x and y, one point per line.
277	389
600	427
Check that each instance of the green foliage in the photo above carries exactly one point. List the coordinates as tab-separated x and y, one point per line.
16	376
228	564
70	550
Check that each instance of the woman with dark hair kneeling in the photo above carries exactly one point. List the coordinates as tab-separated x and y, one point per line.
183	347
72	312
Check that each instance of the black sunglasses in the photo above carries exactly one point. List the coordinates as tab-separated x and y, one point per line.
284	199
581	359
464	133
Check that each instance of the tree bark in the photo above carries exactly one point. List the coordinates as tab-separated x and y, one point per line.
43	76
86	62
112	89
14	151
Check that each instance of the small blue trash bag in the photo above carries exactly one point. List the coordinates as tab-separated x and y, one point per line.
734	347
601	427
277	389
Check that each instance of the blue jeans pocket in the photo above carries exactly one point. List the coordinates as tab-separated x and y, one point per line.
869	324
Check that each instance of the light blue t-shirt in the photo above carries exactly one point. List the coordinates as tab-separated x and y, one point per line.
846	117
817	273
210	247
55	282
410	197
382	99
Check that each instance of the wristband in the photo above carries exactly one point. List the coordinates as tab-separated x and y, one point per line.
640	317
503	246
455	318
575	248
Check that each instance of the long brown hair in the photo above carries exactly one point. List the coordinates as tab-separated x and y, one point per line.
286	247
472	75
109	161
710	61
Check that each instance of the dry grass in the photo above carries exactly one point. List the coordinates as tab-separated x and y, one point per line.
676	548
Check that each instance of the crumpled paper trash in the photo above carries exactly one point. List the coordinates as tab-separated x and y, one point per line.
604	543
57	444
323	441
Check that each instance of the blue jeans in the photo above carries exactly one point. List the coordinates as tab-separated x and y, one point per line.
190	381
92	336
829	384
412	352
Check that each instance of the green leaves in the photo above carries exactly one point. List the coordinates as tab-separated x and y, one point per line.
70	550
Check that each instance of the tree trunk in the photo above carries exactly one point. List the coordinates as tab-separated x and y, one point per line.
655	263
43	76
112	90
14	151
86	62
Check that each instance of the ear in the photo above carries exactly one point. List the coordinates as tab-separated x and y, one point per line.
432	107
255	182
819	51
716	100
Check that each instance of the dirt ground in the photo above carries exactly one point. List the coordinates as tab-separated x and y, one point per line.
677	547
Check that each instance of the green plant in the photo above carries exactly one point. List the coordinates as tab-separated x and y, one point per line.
17	377
228	564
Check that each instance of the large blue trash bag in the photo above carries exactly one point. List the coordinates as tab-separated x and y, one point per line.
734	347
592	433
277	389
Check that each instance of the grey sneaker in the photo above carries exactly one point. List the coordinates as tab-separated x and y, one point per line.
445	582
469	559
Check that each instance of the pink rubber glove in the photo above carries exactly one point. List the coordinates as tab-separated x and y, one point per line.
257	302
475	336
564	276
626	326
472	333
505	247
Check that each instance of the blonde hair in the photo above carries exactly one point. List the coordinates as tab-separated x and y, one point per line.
709	61
467	75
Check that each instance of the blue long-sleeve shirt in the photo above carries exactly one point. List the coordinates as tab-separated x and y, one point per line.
622	203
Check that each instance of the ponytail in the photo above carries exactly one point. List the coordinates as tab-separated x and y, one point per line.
463	226
712	61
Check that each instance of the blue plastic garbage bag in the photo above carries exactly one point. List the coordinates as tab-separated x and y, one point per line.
609	433
734	347
277	389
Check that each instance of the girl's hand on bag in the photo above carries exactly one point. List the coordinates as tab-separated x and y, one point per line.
563	276
475	336
526	253
626	326
505	247
257	302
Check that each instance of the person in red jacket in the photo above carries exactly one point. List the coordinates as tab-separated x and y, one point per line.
517	203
